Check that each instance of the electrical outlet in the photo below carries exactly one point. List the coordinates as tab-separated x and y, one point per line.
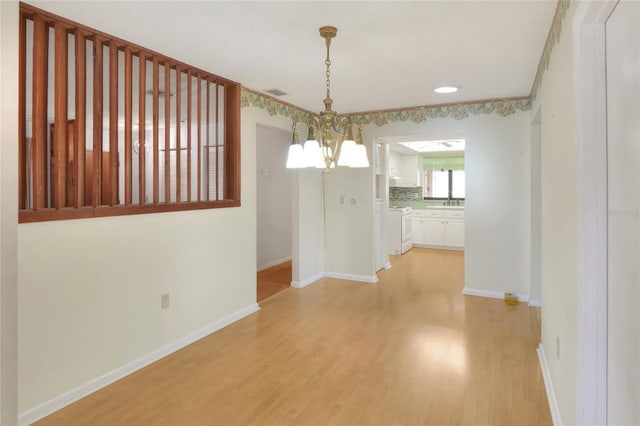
557	347
342	199
164	301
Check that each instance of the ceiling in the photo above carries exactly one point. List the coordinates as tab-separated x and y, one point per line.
386	54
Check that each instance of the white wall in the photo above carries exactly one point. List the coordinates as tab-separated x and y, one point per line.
497	203
558	222
350	227
535	202
274	207
623	175
308	250
8	211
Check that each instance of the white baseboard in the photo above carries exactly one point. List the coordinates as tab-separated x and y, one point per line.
351	277
491	294
536	303
274	263
46	408
548	385
312	279
387	265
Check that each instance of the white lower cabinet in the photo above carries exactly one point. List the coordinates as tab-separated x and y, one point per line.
438	228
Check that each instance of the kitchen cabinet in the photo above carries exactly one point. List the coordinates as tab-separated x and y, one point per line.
410	170
404	170
438	228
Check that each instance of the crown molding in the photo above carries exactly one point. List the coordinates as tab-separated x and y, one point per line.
552	39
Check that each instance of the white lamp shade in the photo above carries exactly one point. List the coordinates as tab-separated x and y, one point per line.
360	156
347	151
295	157
311	152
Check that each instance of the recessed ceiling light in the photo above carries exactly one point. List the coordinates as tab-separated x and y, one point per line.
446	89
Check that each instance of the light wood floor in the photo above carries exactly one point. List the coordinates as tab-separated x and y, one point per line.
273	280
409	350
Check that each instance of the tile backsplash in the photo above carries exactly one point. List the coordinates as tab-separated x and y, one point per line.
405	193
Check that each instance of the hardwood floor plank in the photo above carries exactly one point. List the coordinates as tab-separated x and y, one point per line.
409	350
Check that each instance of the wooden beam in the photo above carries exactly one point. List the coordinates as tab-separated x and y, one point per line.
39	123
81	117
232	142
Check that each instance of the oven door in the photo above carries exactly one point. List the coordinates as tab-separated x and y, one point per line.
406	227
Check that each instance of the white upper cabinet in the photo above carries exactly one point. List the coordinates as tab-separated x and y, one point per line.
405	168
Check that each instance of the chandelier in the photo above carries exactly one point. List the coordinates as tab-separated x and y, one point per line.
334	143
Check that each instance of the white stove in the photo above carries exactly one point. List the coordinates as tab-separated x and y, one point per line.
399	230
401	210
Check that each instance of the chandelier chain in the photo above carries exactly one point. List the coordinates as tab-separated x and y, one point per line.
328	64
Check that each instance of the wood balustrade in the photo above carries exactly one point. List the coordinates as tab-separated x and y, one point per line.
77	126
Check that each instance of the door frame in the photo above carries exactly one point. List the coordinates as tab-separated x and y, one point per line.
589	64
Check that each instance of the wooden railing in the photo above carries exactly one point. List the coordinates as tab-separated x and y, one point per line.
105	102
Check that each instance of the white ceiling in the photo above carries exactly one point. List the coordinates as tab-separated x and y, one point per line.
386	55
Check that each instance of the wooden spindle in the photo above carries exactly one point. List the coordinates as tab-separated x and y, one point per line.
208	141
189	123
113	124
142	101
39	123
22	113
128	124
167	132
97	120
156	78
217	145
81	117
199	119
60	127
178	100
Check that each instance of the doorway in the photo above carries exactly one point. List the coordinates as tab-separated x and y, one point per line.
274	212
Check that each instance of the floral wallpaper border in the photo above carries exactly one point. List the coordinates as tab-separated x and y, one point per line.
504	107
458	111
552	40
273	106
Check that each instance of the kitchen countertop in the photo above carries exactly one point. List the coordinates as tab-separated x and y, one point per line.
441	208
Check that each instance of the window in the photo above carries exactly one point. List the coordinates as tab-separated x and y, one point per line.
444	184
111	128
444	177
